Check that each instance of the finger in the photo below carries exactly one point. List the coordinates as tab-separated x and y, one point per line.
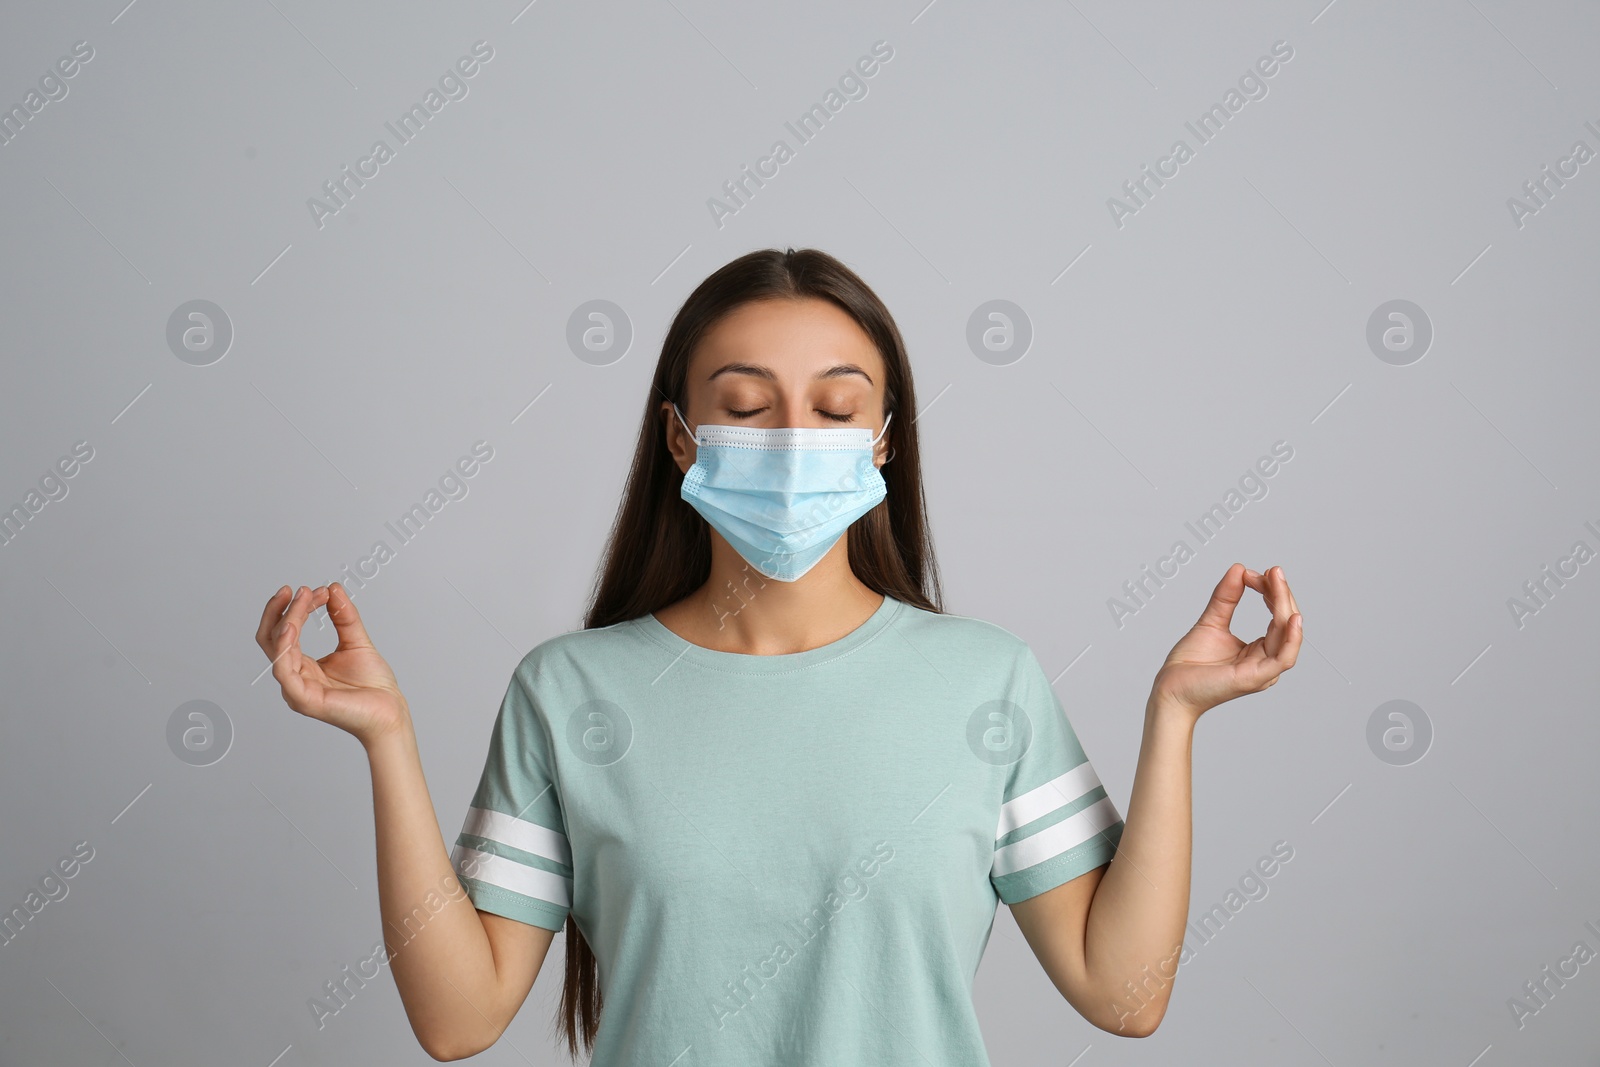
1294	633
1270	596
319	598
269	618
286	635
1224	598
1293	606
1281	647
1255	580
346	619
299	609
286	670
1260	669
1281	604
286	651
1292	614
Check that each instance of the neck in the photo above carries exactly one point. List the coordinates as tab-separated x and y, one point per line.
741	610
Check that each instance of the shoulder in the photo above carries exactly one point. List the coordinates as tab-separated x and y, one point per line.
577	651
962	636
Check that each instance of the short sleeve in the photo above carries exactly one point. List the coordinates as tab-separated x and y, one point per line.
512	855
1056	821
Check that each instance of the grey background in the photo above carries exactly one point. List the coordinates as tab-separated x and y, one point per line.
1227	314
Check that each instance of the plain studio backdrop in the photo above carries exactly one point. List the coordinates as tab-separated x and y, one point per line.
1371	271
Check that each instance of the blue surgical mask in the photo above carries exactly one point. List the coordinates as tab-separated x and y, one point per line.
783	497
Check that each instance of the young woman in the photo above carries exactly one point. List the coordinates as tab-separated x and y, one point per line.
772	791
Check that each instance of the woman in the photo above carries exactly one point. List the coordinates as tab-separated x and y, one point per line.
772	791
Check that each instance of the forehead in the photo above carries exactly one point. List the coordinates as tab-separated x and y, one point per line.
793	339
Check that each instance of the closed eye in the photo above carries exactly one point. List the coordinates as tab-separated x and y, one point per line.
825	414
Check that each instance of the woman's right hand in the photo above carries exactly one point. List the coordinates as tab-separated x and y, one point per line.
351	687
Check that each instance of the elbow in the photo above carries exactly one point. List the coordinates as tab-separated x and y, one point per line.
448	1047
1139	1019
445	1053
1142	1025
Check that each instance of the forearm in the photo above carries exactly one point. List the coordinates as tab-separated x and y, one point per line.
1134	930
440	954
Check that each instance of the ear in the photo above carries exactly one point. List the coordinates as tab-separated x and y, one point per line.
679	443
884	448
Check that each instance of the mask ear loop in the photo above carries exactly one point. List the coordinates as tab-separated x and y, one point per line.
880	433
692	436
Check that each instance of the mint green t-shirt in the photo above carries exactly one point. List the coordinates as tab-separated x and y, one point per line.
789	859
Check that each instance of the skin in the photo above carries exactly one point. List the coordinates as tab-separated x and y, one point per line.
465	973
1124	922
785	363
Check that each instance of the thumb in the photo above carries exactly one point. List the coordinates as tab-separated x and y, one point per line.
1224	598
346	619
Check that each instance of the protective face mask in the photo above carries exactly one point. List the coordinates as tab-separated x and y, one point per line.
782	497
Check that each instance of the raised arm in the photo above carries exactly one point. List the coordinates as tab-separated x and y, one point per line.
462	973
1111	938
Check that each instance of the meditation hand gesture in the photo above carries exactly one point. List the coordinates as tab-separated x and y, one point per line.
351	687
1210	665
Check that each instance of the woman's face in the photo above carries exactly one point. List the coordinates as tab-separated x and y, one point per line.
781	363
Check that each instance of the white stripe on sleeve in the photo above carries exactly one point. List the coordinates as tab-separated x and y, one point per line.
1056	838
510	875
1037	803
518	833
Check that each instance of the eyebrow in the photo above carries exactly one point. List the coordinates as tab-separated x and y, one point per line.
755	370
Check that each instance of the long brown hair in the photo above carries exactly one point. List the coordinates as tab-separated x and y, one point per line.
659	548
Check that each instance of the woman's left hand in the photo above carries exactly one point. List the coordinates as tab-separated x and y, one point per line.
1210	665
